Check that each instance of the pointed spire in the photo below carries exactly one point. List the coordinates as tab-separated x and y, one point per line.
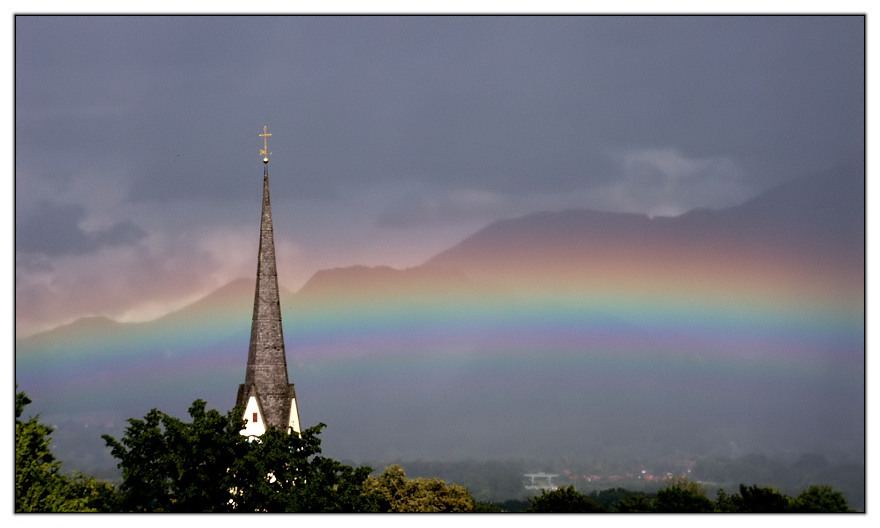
266	378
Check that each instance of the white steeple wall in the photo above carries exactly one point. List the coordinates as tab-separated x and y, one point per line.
253	427
294	417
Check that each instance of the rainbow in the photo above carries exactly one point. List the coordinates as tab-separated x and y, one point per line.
685	320
772	323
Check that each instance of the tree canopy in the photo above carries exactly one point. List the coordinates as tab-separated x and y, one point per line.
398	493
207	466
563	500
683	496
39	484
819	499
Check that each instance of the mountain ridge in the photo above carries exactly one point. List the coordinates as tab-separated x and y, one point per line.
820	205
823	212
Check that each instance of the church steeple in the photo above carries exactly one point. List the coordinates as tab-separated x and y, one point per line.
267	396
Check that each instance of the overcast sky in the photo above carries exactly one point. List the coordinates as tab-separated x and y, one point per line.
137	175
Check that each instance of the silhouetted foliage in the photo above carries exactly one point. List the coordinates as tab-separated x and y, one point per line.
640	503
609	497
39	485
513	505
808	469
753	499
683	496
820	499
487	507
563	500
208	466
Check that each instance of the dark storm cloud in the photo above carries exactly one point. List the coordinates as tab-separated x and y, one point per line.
53	230
512	104
519	104
426	207
395	137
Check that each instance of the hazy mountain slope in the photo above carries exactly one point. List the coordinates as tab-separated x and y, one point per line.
577	333
822	213
741	326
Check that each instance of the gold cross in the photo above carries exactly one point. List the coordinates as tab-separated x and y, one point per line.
265	150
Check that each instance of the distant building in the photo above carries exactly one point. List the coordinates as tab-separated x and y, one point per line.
540	481
267	396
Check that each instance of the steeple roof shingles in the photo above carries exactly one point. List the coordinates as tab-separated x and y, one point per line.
267	364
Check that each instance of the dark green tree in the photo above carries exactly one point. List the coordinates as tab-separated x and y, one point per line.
172	466
284	472
636	503
725	503
683	496
820	499
487	507
563	500
607	498
39	484
513	505
207	466
753	499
